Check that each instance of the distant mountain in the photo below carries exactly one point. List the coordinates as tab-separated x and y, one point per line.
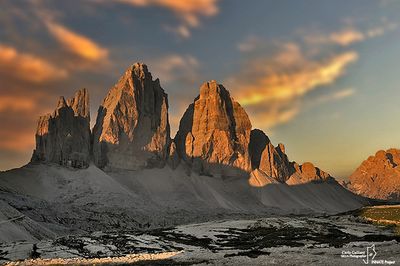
378	177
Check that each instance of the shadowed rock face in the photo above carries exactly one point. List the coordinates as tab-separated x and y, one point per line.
271	160
132	129
214	134
64	136
378	177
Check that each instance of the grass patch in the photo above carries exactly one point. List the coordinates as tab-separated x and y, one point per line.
383	215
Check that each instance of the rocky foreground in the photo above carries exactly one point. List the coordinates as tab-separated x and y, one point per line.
281	240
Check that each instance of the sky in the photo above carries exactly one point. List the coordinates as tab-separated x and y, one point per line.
320	76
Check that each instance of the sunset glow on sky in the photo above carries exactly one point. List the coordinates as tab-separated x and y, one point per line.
322	77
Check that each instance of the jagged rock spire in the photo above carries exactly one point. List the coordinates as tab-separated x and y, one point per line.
64	136
132	129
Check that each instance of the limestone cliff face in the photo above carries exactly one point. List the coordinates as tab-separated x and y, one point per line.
132	129
214	134
64	136
378	177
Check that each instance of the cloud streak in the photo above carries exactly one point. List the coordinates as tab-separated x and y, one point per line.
188	11
76	43
343	37
272	87
290	75
29	67
16	104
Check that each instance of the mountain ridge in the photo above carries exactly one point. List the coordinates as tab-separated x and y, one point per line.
215	135
131	175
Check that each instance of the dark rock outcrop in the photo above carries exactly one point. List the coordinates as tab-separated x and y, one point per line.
132	129
64	136
271	160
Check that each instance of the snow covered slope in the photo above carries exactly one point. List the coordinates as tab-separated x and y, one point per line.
62	199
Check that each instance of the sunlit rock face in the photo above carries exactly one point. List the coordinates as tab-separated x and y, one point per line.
132	129
274	163
64	136
378	177
214	134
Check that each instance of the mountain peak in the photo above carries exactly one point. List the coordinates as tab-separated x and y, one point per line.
138	69
214	133
61	102
80	103
132	128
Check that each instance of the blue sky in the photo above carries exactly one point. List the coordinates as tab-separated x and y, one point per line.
319	76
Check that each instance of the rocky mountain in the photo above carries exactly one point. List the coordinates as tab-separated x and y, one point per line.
274	163
215	138
136	177
132	129
378	176
214	134
64	136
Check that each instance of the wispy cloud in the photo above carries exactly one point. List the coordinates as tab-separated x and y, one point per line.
272	87
343	37
188	11
20	141
16	104
288	74
27	66
175	67
76	43
347	35
343	93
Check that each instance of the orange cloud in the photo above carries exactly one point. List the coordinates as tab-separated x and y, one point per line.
17	141
346	37
15	104
271	88
277	83
27	66
343	37
76	43
189	11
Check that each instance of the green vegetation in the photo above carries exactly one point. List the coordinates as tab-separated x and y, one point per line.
386	215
